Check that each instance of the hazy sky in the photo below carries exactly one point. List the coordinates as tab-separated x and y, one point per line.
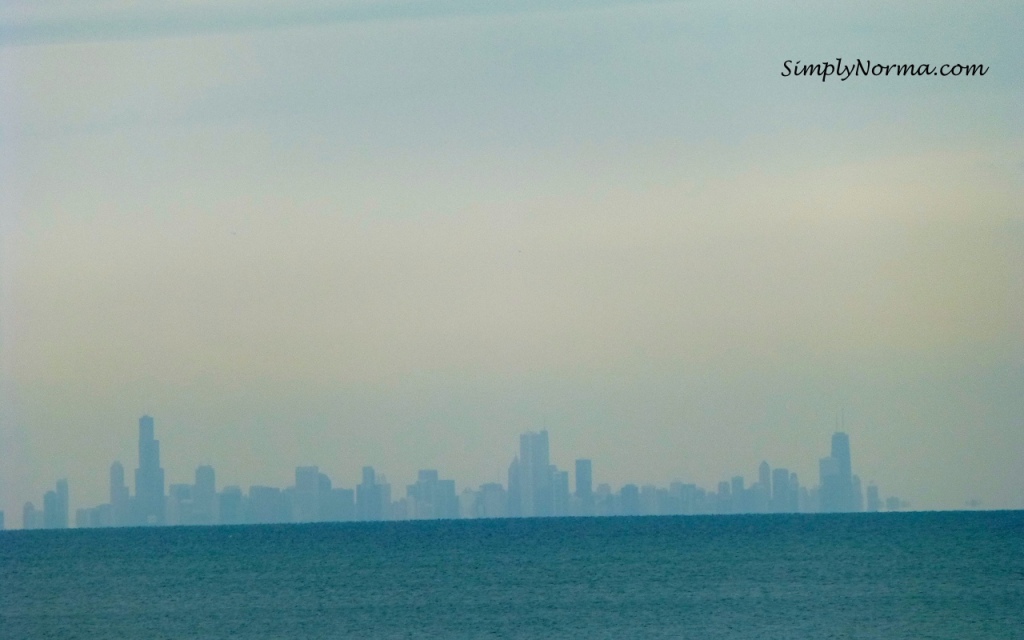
401	233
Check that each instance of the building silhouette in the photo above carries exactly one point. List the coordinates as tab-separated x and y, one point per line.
204	496
841	454
794	493
515	490
836	491
306	498
492	501
560	496
266	505
431	497
338	505
584	487
149	477
629	500
55	507
231	506
535	475
63	504
373	497
50	510
30	517
874	502
764	487
119	498
178	504
829	487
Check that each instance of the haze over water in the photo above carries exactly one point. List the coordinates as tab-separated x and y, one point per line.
401	234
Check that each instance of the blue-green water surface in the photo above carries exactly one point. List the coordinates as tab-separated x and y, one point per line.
891	576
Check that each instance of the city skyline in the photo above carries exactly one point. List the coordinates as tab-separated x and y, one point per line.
835	493
535	487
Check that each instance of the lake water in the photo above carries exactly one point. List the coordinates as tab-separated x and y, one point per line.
891	576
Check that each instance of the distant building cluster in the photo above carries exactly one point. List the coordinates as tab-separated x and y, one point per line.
535	489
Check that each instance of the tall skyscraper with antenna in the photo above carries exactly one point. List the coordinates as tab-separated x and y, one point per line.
837	476
149	477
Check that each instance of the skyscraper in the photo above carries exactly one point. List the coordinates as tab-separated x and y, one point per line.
50	510
267	505
204	496
178	504
30	517
841	454
629	500
837	477
230	506
432	497
63	504
829	491
118	490
585	487
493	501
306	500
55	507
559	492
764	488
119	497
874	502
723	499
535	475
149	477
794	492
780	490
369	501
515	490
